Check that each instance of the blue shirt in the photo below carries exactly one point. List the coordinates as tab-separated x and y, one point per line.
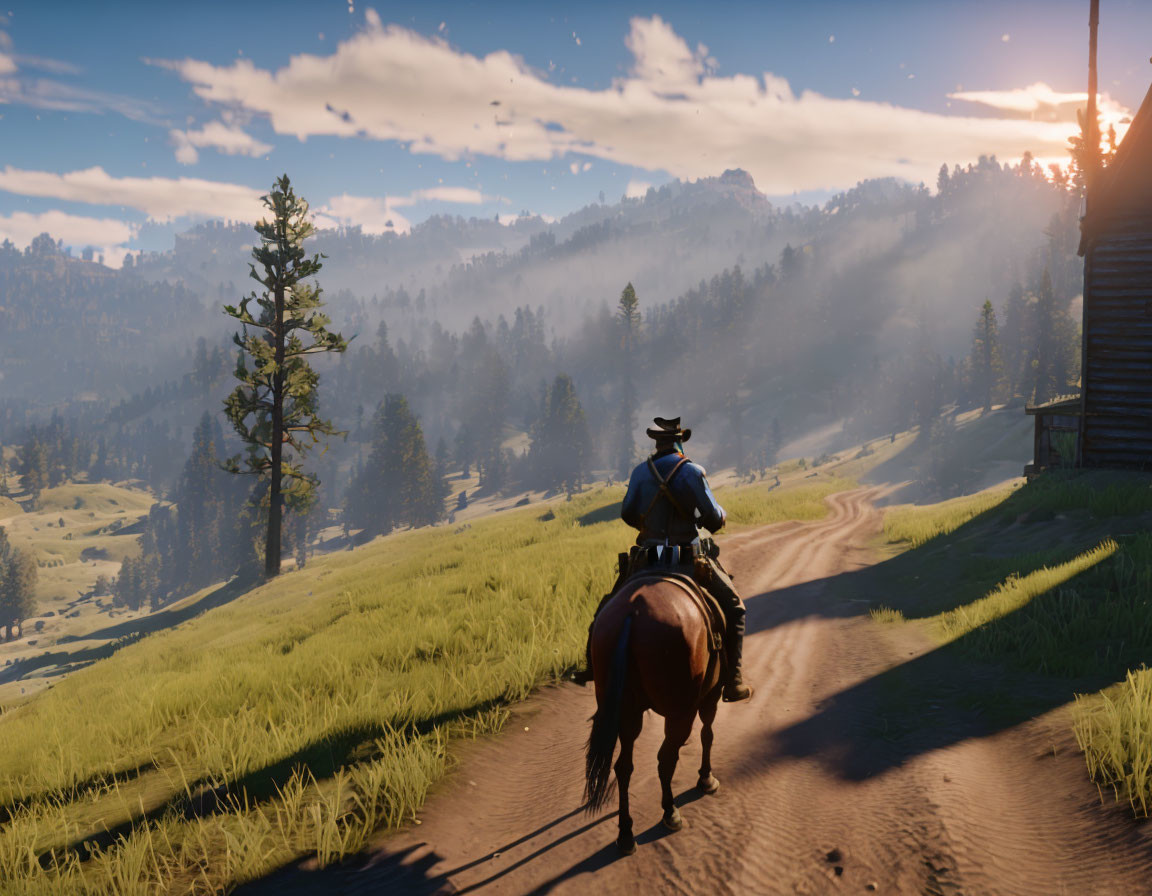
663	523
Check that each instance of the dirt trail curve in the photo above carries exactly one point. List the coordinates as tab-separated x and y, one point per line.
815	796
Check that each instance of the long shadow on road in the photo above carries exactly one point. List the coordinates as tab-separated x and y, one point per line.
950	694
410	871
989	680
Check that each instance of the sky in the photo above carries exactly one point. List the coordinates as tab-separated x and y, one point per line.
124	123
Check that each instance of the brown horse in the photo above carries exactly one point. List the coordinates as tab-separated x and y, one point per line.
650	650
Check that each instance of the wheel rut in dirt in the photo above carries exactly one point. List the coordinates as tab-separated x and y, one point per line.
816	796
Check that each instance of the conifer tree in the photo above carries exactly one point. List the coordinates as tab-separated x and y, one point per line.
986	361
1015	339
486	413
127	586
398	484
19	600
206	512
17	587
628	322
1054	344
420	501
34	467
561	443
276	402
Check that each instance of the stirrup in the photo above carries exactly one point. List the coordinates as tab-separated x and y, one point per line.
735	693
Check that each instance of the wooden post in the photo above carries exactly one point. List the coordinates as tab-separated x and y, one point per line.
1093	127
1092	135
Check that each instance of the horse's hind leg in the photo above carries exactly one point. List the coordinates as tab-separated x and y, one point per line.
631	721
676	731
706	782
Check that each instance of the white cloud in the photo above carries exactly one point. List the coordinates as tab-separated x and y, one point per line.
670	113
1031	99
636	189
462	195
17	87
165	199
108	235
229	139
662	59
1041	101
372	214
55	66
56	96
160	198
186	153
375	214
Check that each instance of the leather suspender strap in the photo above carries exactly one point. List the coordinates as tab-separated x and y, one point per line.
664	490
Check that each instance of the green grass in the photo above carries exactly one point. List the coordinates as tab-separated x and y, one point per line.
917	525
761	504
92	515
305	715
886	615
1114	730
1102	494
1014	594
99	497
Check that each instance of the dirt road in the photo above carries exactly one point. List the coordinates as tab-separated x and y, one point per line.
823	789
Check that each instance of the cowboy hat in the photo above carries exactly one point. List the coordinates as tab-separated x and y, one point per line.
669	429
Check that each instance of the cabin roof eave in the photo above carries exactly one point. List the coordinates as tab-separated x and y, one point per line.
1101	198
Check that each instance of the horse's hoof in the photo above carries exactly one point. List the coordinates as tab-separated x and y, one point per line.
672	821
708	785
626	845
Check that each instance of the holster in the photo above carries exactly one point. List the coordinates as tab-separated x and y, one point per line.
702	572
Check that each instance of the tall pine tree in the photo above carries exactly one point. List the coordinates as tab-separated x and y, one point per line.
275	404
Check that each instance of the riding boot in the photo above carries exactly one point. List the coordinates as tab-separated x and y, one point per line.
734	688
583	676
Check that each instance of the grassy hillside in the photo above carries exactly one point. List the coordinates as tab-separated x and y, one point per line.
310	712
1053	580
81	532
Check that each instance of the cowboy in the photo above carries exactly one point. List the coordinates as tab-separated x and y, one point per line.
667	498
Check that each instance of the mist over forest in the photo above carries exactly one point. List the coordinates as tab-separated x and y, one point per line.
503	347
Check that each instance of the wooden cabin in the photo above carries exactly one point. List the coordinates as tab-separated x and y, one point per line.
1116	242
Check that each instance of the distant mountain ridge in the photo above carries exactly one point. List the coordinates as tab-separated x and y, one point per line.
840	289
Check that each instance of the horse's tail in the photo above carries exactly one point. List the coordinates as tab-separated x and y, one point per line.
606	726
